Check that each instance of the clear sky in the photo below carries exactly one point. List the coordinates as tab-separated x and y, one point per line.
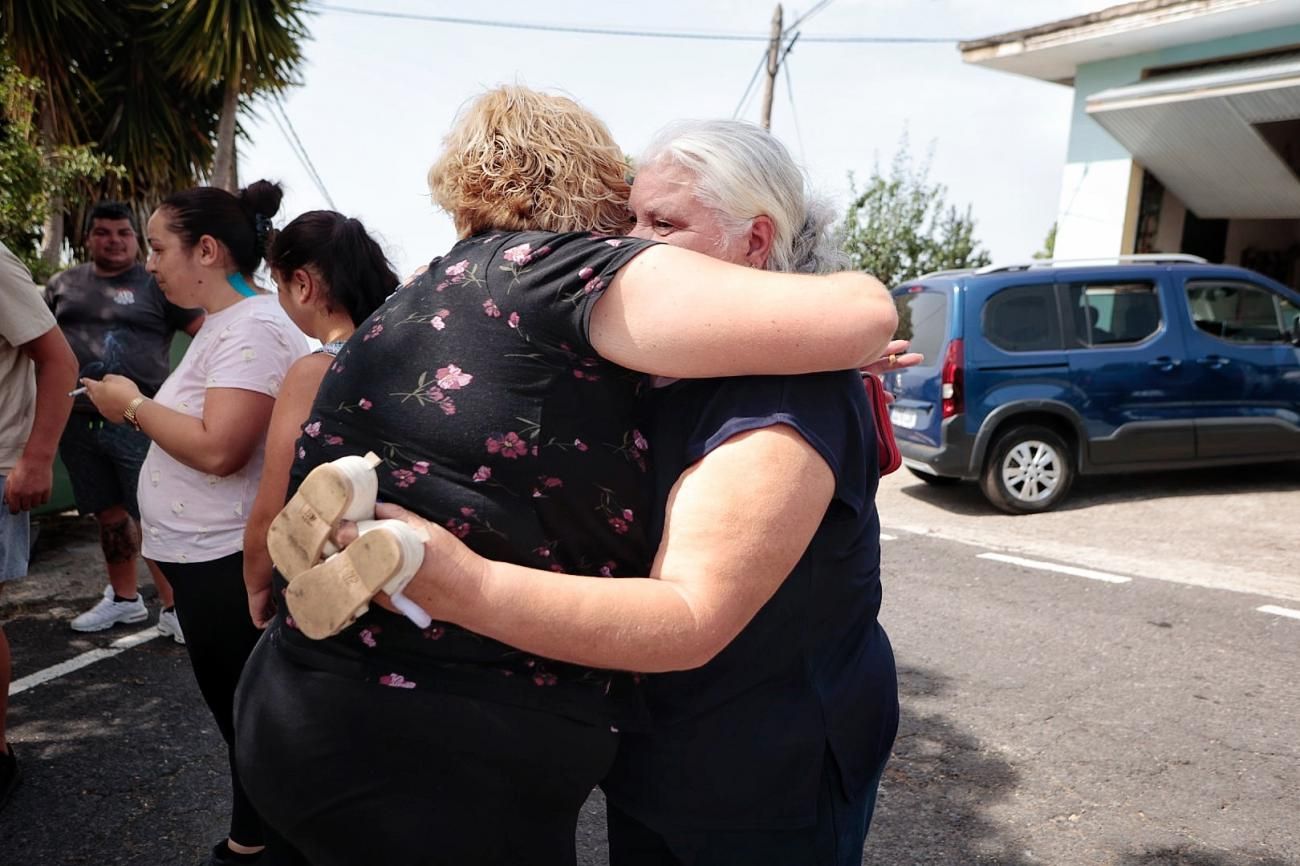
380	93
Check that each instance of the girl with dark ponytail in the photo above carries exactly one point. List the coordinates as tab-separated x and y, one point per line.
331	275
208	424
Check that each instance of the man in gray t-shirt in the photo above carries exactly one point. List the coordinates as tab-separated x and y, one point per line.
117	320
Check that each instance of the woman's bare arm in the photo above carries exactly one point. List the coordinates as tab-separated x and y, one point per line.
737	523
292	407
673	312
222	441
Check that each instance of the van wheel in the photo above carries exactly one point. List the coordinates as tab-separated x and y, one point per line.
936	480
1030	470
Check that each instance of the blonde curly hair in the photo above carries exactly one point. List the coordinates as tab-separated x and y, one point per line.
520	160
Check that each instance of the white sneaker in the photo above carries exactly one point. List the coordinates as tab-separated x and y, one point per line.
170	625
107	613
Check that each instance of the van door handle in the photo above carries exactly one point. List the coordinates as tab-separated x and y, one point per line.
1214	362
1165	364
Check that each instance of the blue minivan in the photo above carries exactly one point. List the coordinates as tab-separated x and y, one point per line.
1039	372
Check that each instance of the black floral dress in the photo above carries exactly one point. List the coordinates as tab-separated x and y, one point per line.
478	387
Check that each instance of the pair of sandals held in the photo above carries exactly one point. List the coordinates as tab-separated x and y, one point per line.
329	588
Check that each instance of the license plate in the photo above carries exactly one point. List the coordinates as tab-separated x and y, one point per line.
905	418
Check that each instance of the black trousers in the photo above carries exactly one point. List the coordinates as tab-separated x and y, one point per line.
352	772
212	607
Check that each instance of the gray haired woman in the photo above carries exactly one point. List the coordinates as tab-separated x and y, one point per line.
771	686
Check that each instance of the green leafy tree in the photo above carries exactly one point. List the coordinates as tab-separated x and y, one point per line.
247	47
33	175
900	225
1049	245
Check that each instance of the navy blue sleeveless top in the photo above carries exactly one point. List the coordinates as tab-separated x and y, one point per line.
740	742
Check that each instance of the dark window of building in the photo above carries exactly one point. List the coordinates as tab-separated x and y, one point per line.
1023	319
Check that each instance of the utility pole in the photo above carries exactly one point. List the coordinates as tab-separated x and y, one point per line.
773	64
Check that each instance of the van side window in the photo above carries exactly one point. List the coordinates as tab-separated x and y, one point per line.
1023	319
1114	313
923	319
1239	312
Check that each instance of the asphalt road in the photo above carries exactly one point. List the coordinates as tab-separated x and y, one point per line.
1048	717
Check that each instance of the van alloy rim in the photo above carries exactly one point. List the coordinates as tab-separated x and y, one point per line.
1031	471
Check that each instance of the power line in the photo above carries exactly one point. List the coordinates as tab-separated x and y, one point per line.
299	150
646	34
762	61
798	131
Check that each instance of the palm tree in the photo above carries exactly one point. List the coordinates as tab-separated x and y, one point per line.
248	47
54	41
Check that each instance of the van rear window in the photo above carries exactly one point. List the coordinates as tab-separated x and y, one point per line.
923	319
1023	319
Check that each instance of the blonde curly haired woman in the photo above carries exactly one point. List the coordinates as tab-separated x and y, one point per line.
500	390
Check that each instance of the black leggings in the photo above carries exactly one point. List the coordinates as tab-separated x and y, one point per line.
219	634
353	772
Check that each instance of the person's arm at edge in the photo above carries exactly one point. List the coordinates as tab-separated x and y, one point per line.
292	408
30	482
737	523
673	312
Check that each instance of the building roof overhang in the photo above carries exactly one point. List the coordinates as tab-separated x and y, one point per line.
1205	133
1054	51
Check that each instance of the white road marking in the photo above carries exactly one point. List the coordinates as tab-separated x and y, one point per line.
1052	566
76	663
884	536
1280	611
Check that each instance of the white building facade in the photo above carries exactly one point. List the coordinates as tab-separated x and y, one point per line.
1185	135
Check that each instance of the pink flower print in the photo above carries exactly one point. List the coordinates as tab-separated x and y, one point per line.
458	528
579	444
333	440
437	323
557	568
639	441
550	481
375	331
434	632
586	273
405	477
444	284
593	285
422	467
448	407
312	429
302	452
509	446
627	515
483	474
336	367
397	681
490	308
436	395
607	570
364	403
453	378
619	524
542	551
514	320
457	269
543	678
518	255
466	511
578	374
368	638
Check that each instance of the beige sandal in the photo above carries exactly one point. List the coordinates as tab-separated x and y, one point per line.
328	598
299	535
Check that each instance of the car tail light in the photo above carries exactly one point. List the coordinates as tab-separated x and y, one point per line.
951	380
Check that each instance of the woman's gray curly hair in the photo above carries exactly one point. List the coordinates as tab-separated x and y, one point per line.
743	171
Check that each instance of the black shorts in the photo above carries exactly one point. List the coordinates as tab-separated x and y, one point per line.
103	462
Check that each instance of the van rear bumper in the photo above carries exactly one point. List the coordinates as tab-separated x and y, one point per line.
952	457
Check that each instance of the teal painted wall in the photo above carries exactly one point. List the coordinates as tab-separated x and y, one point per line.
1090	143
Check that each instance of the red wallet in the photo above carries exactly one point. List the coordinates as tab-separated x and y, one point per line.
890	458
